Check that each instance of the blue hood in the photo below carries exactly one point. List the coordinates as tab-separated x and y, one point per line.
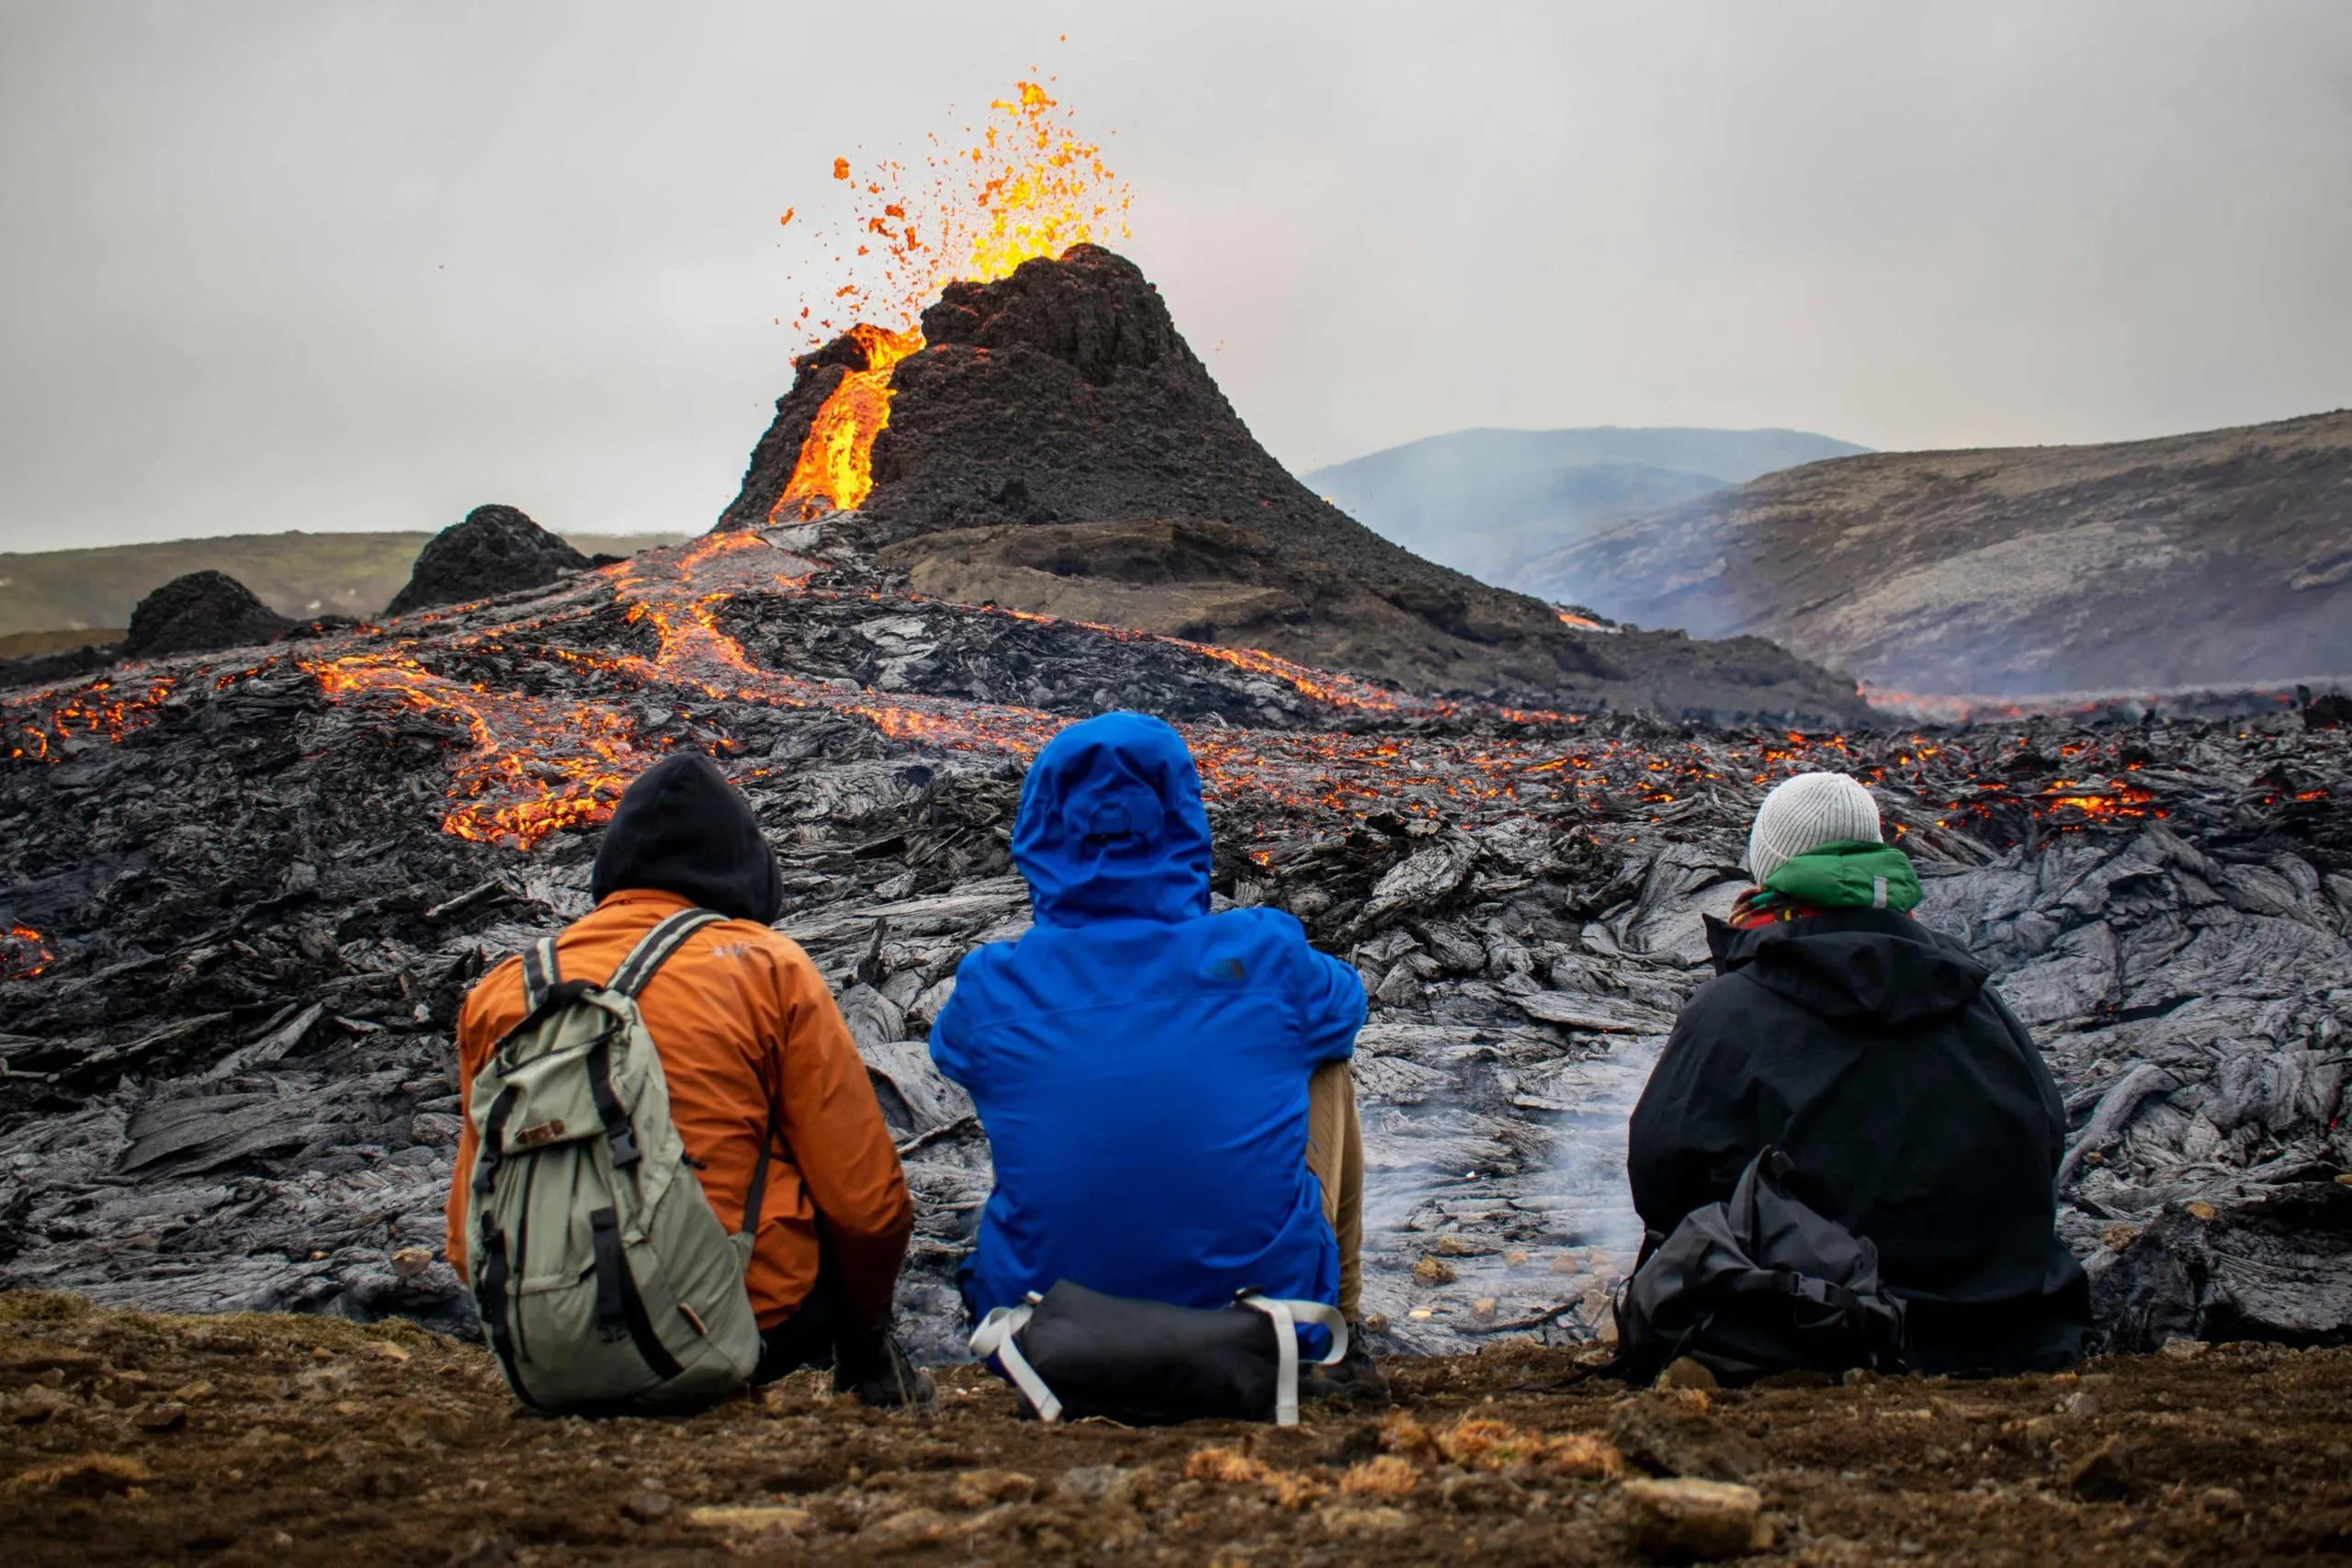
1111	824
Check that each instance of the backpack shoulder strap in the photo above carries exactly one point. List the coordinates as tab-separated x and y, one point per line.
542	973
655	948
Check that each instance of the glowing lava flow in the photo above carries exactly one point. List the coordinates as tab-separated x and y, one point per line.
99	711
1029	186
533	766
835	469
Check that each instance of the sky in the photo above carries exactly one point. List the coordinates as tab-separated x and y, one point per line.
326	265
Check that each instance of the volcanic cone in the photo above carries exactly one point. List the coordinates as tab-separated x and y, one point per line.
1055	446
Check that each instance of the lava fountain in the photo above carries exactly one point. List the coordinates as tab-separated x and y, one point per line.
1028	186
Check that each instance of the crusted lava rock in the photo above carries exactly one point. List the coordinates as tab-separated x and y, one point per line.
497	549
197	614
41	669
1057	447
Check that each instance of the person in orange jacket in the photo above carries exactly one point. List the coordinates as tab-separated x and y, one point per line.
742	1023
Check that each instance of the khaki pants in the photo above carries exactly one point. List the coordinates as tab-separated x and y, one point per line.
1334	1157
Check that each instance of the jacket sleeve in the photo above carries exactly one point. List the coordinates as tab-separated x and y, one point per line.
1689	1139
833	1128
473	1049
951	1046
1330	1000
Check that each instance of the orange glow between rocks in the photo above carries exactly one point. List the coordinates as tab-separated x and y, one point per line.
22	956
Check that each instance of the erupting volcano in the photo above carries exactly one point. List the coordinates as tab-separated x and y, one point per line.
1021	425
244	891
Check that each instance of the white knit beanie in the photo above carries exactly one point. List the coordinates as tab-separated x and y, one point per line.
1804	813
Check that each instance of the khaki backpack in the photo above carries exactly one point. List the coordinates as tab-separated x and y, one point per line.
605	1283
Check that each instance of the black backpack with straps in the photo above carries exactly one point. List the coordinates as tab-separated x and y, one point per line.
1757	1284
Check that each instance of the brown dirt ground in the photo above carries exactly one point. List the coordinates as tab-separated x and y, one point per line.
132	1436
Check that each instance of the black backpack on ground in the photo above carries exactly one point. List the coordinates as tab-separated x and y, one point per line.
1757	1284
1073	1352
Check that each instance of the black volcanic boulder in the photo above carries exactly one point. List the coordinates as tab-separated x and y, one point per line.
197	614
497	549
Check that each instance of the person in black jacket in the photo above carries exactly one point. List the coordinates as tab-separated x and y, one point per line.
1915	1107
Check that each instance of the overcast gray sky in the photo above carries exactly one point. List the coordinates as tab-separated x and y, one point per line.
339	266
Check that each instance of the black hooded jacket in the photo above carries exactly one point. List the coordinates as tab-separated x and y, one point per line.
1917	1109
684	829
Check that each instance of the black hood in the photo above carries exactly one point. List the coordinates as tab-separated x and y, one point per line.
682	829
1853	964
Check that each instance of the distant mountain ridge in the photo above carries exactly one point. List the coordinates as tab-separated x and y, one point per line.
2220	557
1487	500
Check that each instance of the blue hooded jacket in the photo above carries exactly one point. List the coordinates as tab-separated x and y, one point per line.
1139	1064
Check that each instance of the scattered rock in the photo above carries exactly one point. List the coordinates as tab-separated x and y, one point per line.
1095	1484
88	1475
167	1417
497	549
2102	1475
908	1527
201	612
1692	1521
1433	1271
646	1507
981	1488
39	1402
1346	1521
753	1519
1666	1439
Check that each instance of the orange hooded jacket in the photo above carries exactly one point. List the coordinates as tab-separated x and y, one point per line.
742	1021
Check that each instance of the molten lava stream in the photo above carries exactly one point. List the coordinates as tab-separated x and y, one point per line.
835	469
534	765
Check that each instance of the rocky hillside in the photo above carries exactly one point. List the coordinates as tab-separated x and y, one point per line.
1057	447
297	574
2215	558
1487	502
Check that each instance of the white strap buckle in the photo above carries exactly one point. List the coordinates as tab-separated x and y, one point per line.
994	1337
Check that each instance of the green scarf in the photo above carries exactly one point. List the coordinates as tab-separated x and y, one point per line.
1857	873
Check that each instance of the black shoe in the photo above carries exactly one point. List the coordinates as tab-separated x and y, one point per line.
1354	1380
879	1372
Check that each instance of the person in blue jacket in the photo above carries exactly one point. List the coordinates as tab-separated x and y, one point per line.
1166	1091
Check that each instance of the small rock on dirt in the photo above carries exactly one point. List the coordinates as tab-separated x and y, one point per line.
1095	1483
1666	1440
2102	1475
645	1507
1692	1521
166	1418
